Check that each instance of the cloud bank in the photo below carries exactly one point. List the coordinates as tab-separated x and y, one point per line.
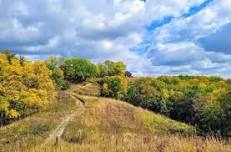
152	37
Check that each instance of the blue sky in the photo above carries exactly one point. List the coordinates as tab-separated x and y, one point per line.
153	37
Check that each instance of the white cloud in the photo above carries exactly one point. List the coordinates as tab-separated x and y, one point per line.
175	44
217	14
110	29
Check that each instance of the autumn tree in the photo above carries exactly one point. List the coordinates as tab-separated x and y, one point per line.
24	88
55	64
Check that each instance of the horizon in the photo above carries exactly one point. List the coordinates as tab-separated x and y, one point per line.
153	38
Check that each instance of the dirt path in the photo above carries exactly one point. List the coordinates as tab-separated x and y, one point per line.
55	135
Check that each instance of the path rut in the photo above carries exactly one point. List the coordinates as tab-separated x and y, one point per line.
57	133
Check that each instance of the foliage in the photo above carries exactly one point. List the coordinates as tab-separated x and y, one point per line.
54	62
157	104
115	86
55	65
78	70
24	88
202	101
110	68
128	74
139	92
58	77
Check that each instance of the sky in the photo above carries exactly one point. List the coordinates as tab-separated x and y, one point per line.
153	37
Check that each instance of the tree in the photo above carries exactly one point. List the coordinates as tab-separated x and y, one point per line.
23	89
9	55
54	61
140	91
156	104
22	60
55	64
115	86
225	101
110	68
58	77
128	74
78	70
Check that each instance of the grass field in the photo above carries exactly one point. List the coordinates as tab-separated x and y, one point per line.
114	126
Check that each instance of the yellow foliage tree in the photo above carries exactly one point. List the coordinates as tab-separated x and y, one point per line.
23	86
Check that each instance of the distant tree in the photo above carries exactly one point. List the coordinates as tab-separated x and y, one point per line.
110	68
77	70
115	86
55	64
139	92
58	77
9	55
22	60
156	104
128	74
54	61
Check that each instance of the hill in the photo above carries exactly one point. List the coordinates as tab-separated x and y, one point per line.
84	122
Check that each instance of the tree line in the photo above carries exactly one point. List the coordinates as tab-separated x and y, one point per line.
204	102
27	87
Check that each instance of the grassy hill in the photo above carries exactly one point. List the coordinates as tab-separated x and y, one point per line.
103	124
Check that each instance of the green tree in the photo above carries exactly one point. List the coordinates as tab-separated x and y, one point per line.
115	86
110	68
54	61
156	104
55	64
78	70
128	74
226	106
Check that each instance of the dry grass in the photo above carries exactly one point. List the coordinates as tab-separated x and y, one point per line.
140	143
90	88
35	129
116	115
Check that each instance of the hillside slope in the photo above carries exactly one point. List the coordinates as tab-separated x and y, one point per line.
101	124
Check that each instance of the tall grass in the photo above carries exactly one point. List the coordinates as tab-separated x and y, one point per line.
35	129
140	143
